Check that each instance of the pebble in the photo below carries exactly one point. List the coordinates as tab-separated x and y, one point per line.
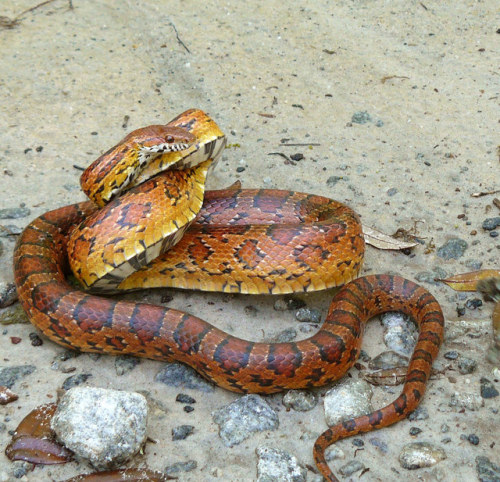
188	409
75	380
14	213
452	249
10	375
451	355
334	453
431	276
470	401
473	303
379	444
274	465
445	428
10	230
180	375
387	360
420	454
361	117
104	426
239	419
183	398
182	432
286	336
300	400
175	469
309	315
125	364
332	180
490	224
288	303
415	431
487	471
400	333
488	390
348	399
474	264
392	191
351	467
13	316
357	442
473	439
466	365
8	294
420	413
35	339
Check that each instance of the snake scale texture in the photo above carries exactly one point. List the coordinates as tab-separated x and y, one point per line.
235	240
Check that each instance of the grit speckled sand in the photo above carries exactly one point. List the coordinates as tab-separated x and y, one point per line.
425	72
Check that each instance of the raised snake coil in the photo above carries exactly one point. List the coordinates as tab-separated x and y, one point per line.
249	241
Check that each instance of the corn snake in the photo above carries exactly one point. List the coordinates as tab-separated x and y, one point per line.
236	241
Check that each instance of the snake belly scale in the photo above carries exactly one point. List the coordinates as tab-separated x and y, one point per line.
248	241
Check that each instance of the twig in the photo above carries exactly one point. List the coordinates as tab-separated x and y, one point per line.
298	144
178	38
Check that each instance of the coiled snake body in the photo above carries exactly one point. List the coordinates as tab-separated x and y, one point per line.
248	241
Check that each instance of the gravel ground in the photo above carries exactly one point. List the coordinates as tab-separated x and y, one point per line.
394	106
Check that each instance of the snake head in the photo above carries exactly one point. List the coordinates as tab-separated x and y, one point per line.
114	171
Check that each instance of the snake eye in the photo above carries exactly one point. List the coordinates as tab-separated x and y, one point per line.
169	139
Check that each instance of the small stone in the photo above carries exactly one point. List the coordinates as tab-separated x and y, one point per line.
332	180
125	364
178	467
361	117
334	453
490	224
180	375
451	355
8	294
10	375
452	249
238	420
183	398
470	401
420	454
431	276
348	399
415	431
75	380
473	439
35	339
104	426
488	390
286	336
473	303
188	409
300	400
240	169
392	191
444	428
379	444
182	432
487	471
274	465
400	333
308	315
14	213
357	442
297	157
467	365
420	413
351	467
250	310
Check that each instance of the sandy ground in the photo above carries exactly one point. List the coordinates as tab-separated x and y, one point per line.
426	73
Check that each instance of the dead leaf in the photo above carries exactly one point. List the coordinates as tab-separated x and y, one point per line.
6	396
130	475
468	281
34	441
379	240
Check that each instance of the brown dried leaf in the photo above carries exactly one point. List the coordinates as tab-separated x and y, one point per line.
380	240
34	441
6	396
389	377
130	475
468	281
